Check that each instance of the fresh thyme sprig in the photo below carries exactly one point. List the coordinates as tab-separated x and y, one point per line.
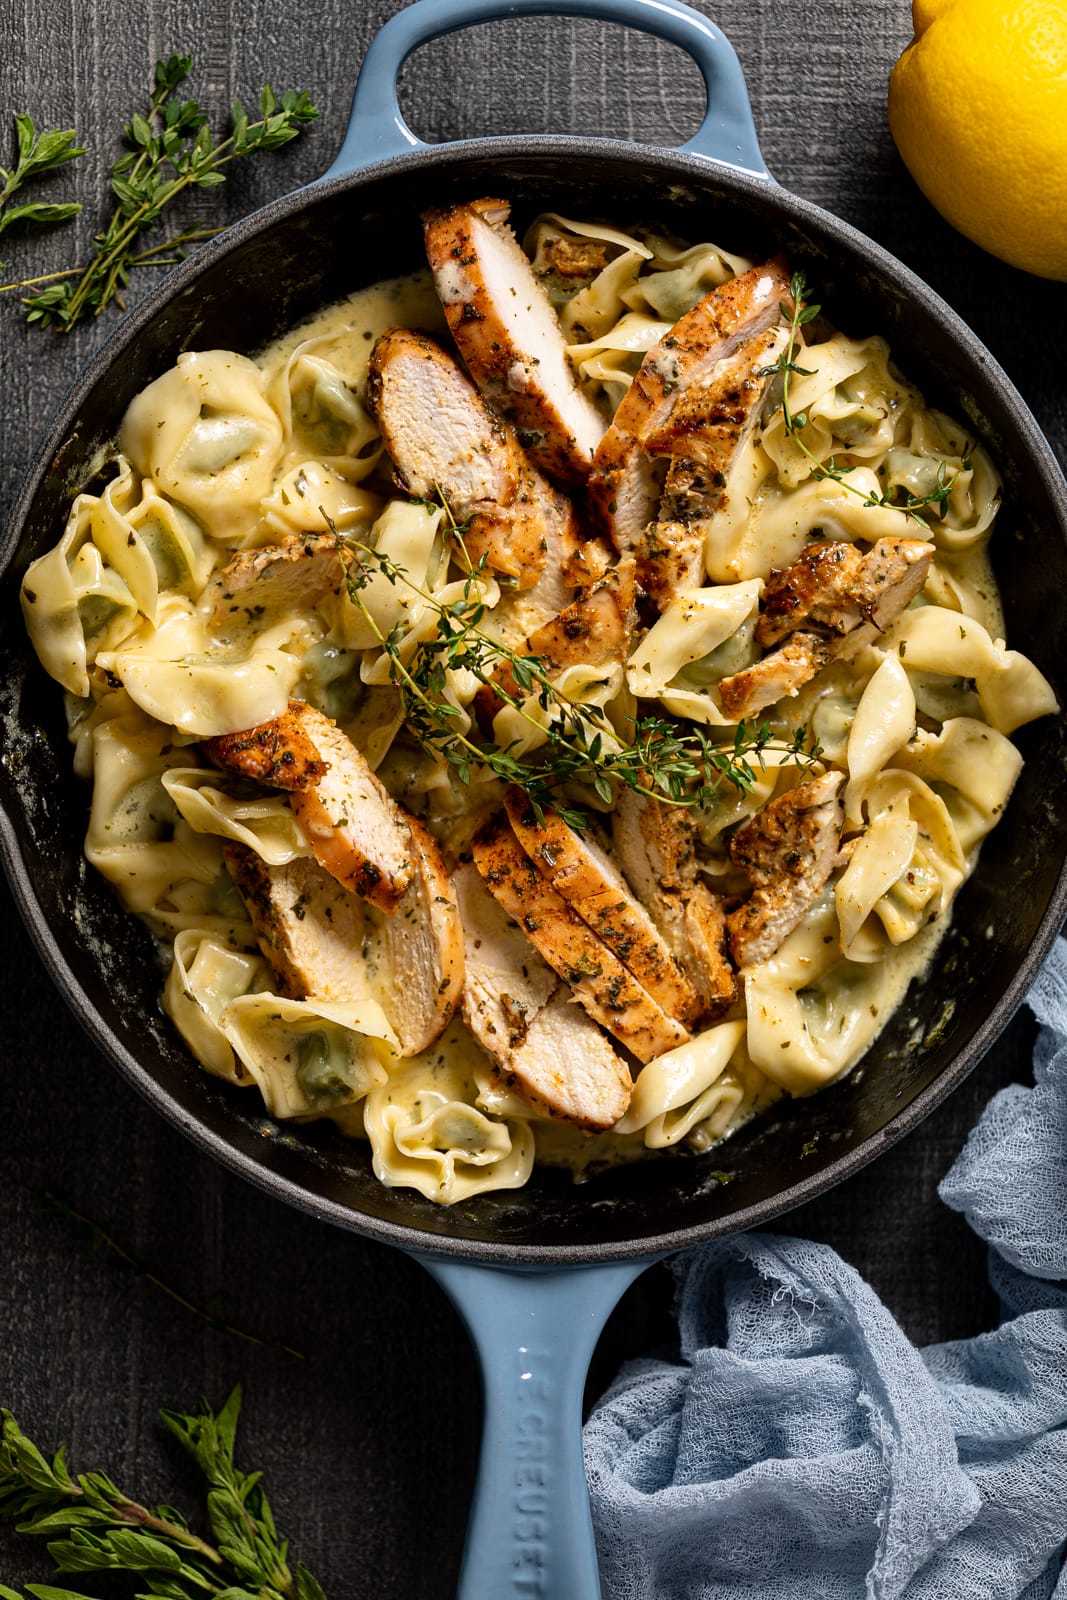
798	313
675	763
37	153
169	149
93	1526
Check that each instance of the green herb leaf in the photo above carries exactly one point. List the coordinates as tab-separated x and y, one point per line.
37	154
171	149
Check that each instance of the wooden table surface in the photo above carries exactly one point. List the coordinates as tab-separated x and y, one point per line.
362	1397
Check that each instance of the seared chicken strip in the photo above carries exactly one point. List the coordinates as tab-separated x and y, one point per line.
418	952
655	845
292	576
279	754
582	872
592	631
441	436
309	926
777	675
833	585
523	1015
509	335
323	940
354	826
830	603
700	348
788	851
700	437
610	993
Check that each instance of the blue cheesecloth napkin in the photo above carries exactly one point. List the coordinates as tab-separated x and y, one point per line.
805	1448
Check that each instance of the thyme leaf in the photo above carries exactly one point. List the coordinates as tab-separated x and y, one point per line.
37	154
170	149
798	313
92	1525
674	762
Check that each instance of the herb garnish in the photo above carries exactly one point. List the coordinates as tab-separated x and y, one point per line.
798	314
38	153
675	763
93	1526
169	149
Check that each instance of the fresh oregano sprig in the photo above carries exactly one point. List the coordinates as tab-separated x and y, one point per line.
93	1526
798	313
36	154
169	150
677	763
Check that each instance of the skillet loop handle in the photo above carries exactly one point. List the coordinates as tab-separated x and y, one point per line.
530	1536
377	130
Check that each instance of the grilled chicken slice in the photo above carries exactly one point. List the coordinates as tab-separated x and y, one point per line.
700	437
584	874
418	952
833	585
323	940
655	845
310	927
778	674
593	630
788	851
279	754
610	994
354	826
509	335
440	435
521	1013
294	575
831	602
623	487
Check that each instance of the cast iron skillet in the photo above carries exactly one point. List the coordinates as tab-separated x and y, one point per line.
360	223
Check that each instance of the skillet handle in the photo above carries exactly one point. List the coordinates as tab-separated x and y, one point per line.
530	1532
377	130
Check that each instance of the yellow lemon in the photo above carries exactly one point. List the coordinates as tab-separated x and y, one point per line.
978	108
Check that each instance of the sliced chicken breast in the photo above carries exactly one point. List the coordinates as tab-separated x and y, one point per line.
610	993
310	927
509	335
354	826
655	844
593	630
441	437
829	604
418	951
834	585
580	870
703	432
295	576
280	754
775	676
788	850
622	486
524	1017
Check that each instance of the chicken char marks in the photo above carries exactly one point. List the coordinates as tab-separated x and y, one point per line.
695	398
828	605
788	851
508	334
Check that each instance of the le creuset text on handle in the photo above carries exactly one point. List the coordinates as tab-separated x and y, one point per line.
530	1535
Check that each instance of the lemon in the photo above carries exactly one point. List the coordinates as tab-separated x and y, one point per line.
978	108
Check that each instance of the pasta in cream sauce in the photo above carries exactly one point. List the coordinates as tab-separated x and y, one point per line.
226	454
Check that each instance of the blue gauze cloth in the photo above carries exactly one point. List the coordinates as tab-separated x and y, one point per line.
805	1448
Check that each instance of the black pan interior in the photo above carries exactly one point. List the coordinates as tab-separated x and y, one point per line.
279	267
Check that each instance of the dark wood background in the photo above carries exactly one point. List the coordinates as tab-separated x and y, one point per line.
362	1398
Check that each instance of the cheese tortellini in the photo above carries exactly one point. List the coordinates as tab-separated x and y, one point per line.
225	453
